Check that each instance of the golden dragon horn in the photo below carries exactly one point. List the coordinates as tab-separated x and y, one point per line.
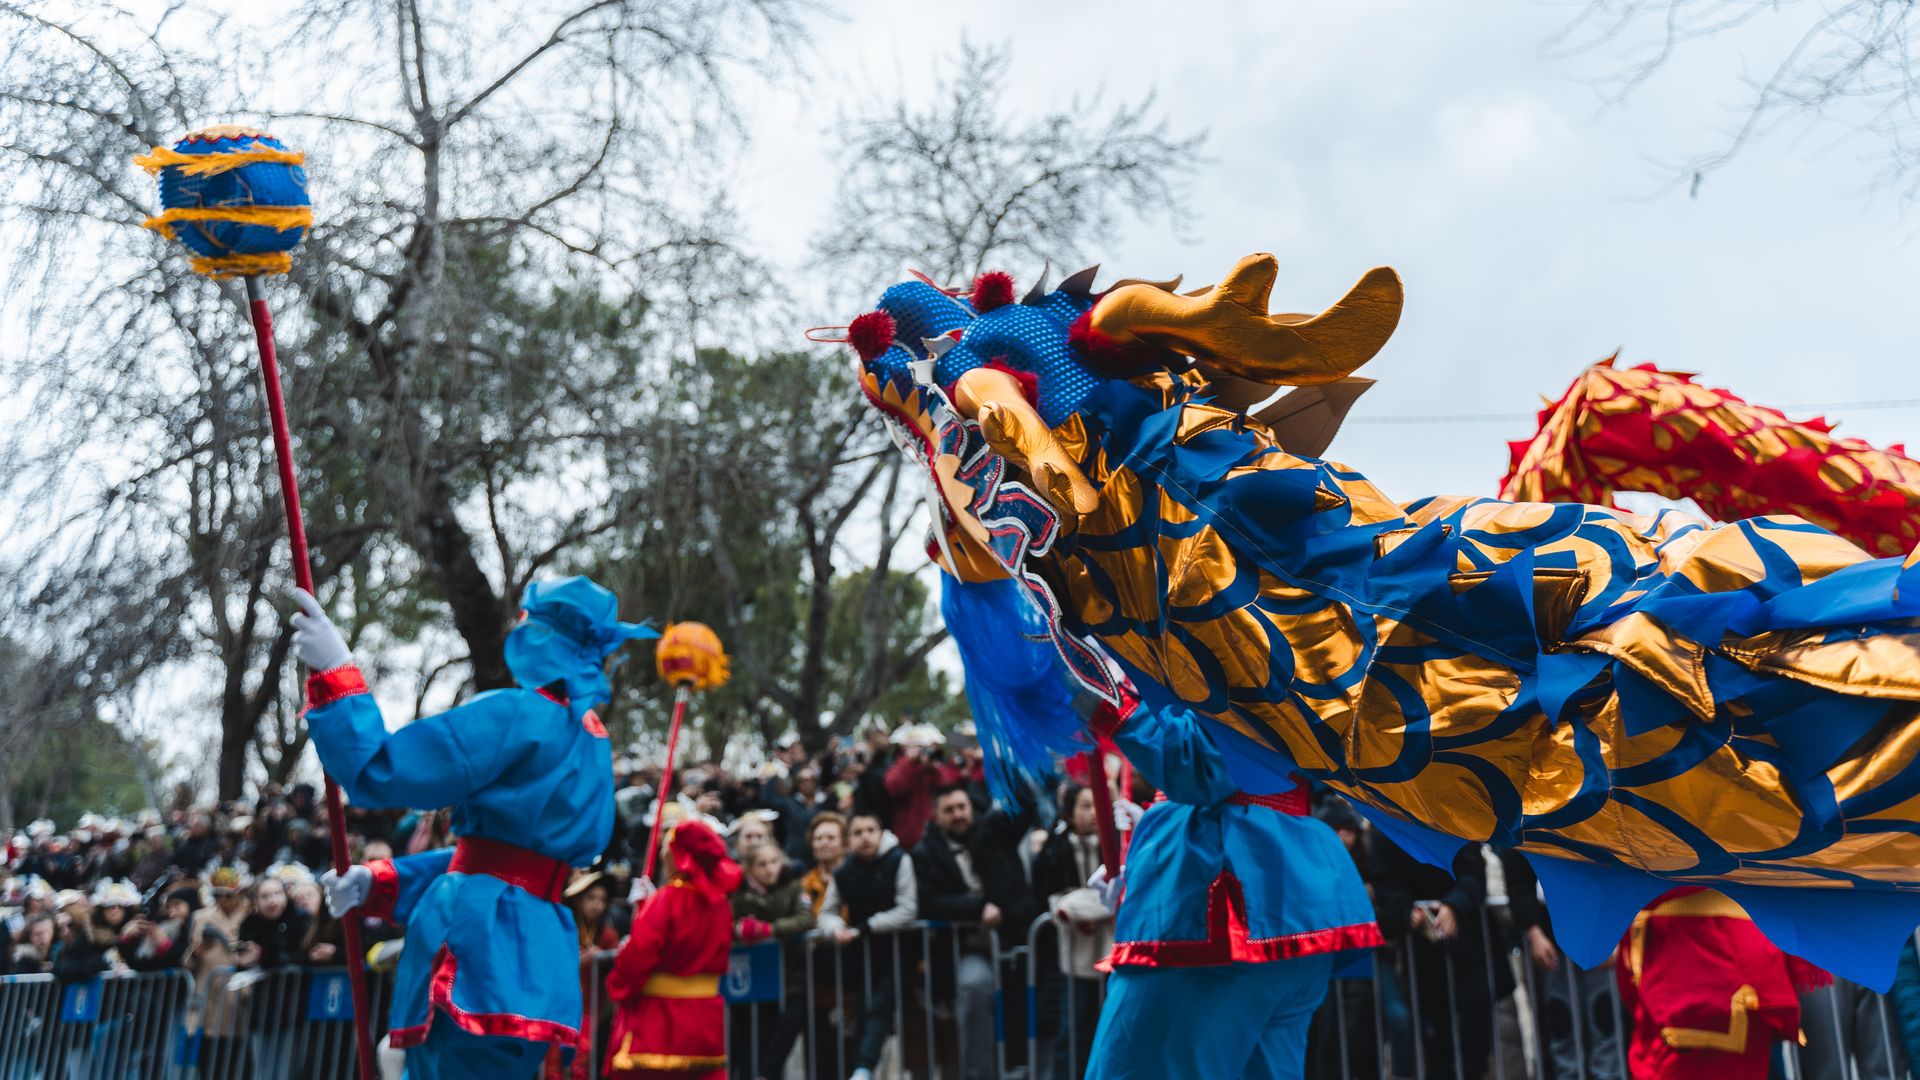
1228	326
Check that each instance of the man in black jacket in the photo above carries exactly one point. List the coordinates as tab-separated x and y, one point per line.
874	888
948	865
1432	919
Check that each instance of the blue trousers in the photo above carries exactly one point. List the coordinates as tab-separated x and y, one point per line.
1209	1023
452	1054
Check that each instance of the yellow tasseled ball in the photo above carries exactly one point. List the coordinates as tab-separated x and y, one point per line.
689	655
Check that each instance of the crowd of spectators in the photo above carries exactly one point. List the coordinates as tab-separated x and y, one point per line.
846	844
849	842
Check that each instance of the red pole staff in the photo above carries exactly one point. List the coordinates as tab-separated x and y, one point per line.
1103	808
303	577
681	694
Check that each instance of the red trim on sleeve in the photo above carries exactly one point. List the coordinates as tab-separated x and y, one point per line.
326	687
1227	940
501	1025
385	891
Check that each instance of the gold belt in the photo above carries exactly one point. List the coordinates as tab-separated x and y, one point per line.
681	986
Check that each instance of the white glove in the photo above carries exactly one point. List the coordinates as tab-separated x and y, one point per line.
642	888
315	641
1109	890
347	891
1127	814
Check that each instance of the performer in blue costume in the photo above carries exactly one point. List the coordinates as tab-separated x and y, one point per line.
1235	903
1233	908
529	774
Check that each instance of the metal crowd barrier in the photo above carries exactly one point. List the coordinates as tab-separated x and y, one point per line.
281	1024
798	1008
810	998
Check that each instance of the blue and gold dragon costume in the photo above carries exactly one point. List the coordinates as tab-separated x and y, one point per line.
1639	701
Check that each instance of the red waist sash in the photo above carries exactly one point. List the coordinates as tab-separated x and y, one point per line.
1296	803
536	873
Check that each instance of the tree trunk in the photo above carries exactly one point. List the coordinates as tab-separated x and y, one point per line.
236	738
6	799
479	615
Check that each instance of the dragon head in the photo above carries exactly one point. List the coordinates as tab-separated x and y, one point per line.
943	365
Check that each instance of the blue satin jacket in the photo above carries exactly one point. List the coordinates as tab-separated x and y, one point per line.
1217	877
515	767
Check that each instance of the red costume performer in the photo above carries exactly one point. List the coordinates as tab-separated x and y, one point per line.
670	1023
1709	994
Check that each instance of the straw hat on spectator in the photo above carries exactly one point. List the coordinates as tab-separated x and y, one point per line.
66	898
918	734
678	811
40	830
582	881
115	894
768	816
288	873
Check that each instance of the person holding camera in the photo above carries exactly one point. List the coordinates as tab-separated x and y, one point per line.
215	948
148	944
913	778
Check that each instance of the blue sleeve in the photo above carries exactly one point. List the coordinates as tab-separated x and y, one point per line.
1176	755
415	873
434	761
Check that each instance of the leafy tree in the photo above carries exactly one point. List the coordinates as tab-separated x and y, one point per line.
472	349
90	768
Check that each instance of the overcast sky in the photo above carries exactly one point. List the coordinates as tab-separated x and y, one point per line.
1443	140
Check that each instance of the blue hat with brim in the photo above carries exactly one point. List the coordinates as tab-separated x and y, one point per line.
568	628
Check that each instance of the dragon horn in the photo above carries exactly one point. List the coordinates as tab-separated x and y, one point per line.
1228	327
1038	294
1081	283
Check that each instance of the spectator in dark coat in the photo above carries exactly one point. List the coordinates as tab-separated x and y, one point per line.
947	868
147	945
86	949
198	847
872	892
770	904
274	933
870	788
39	942
1069	858
1439	913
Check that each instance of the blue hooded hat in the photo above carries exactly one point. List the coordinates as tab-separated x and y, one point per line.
568	628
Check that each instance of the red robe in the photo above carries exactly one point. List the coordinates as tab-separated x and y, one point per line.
670	1021
1708	993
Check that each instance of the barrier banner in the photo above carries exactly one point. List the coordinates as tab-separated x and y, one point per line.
753	974
330	998
81	1003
